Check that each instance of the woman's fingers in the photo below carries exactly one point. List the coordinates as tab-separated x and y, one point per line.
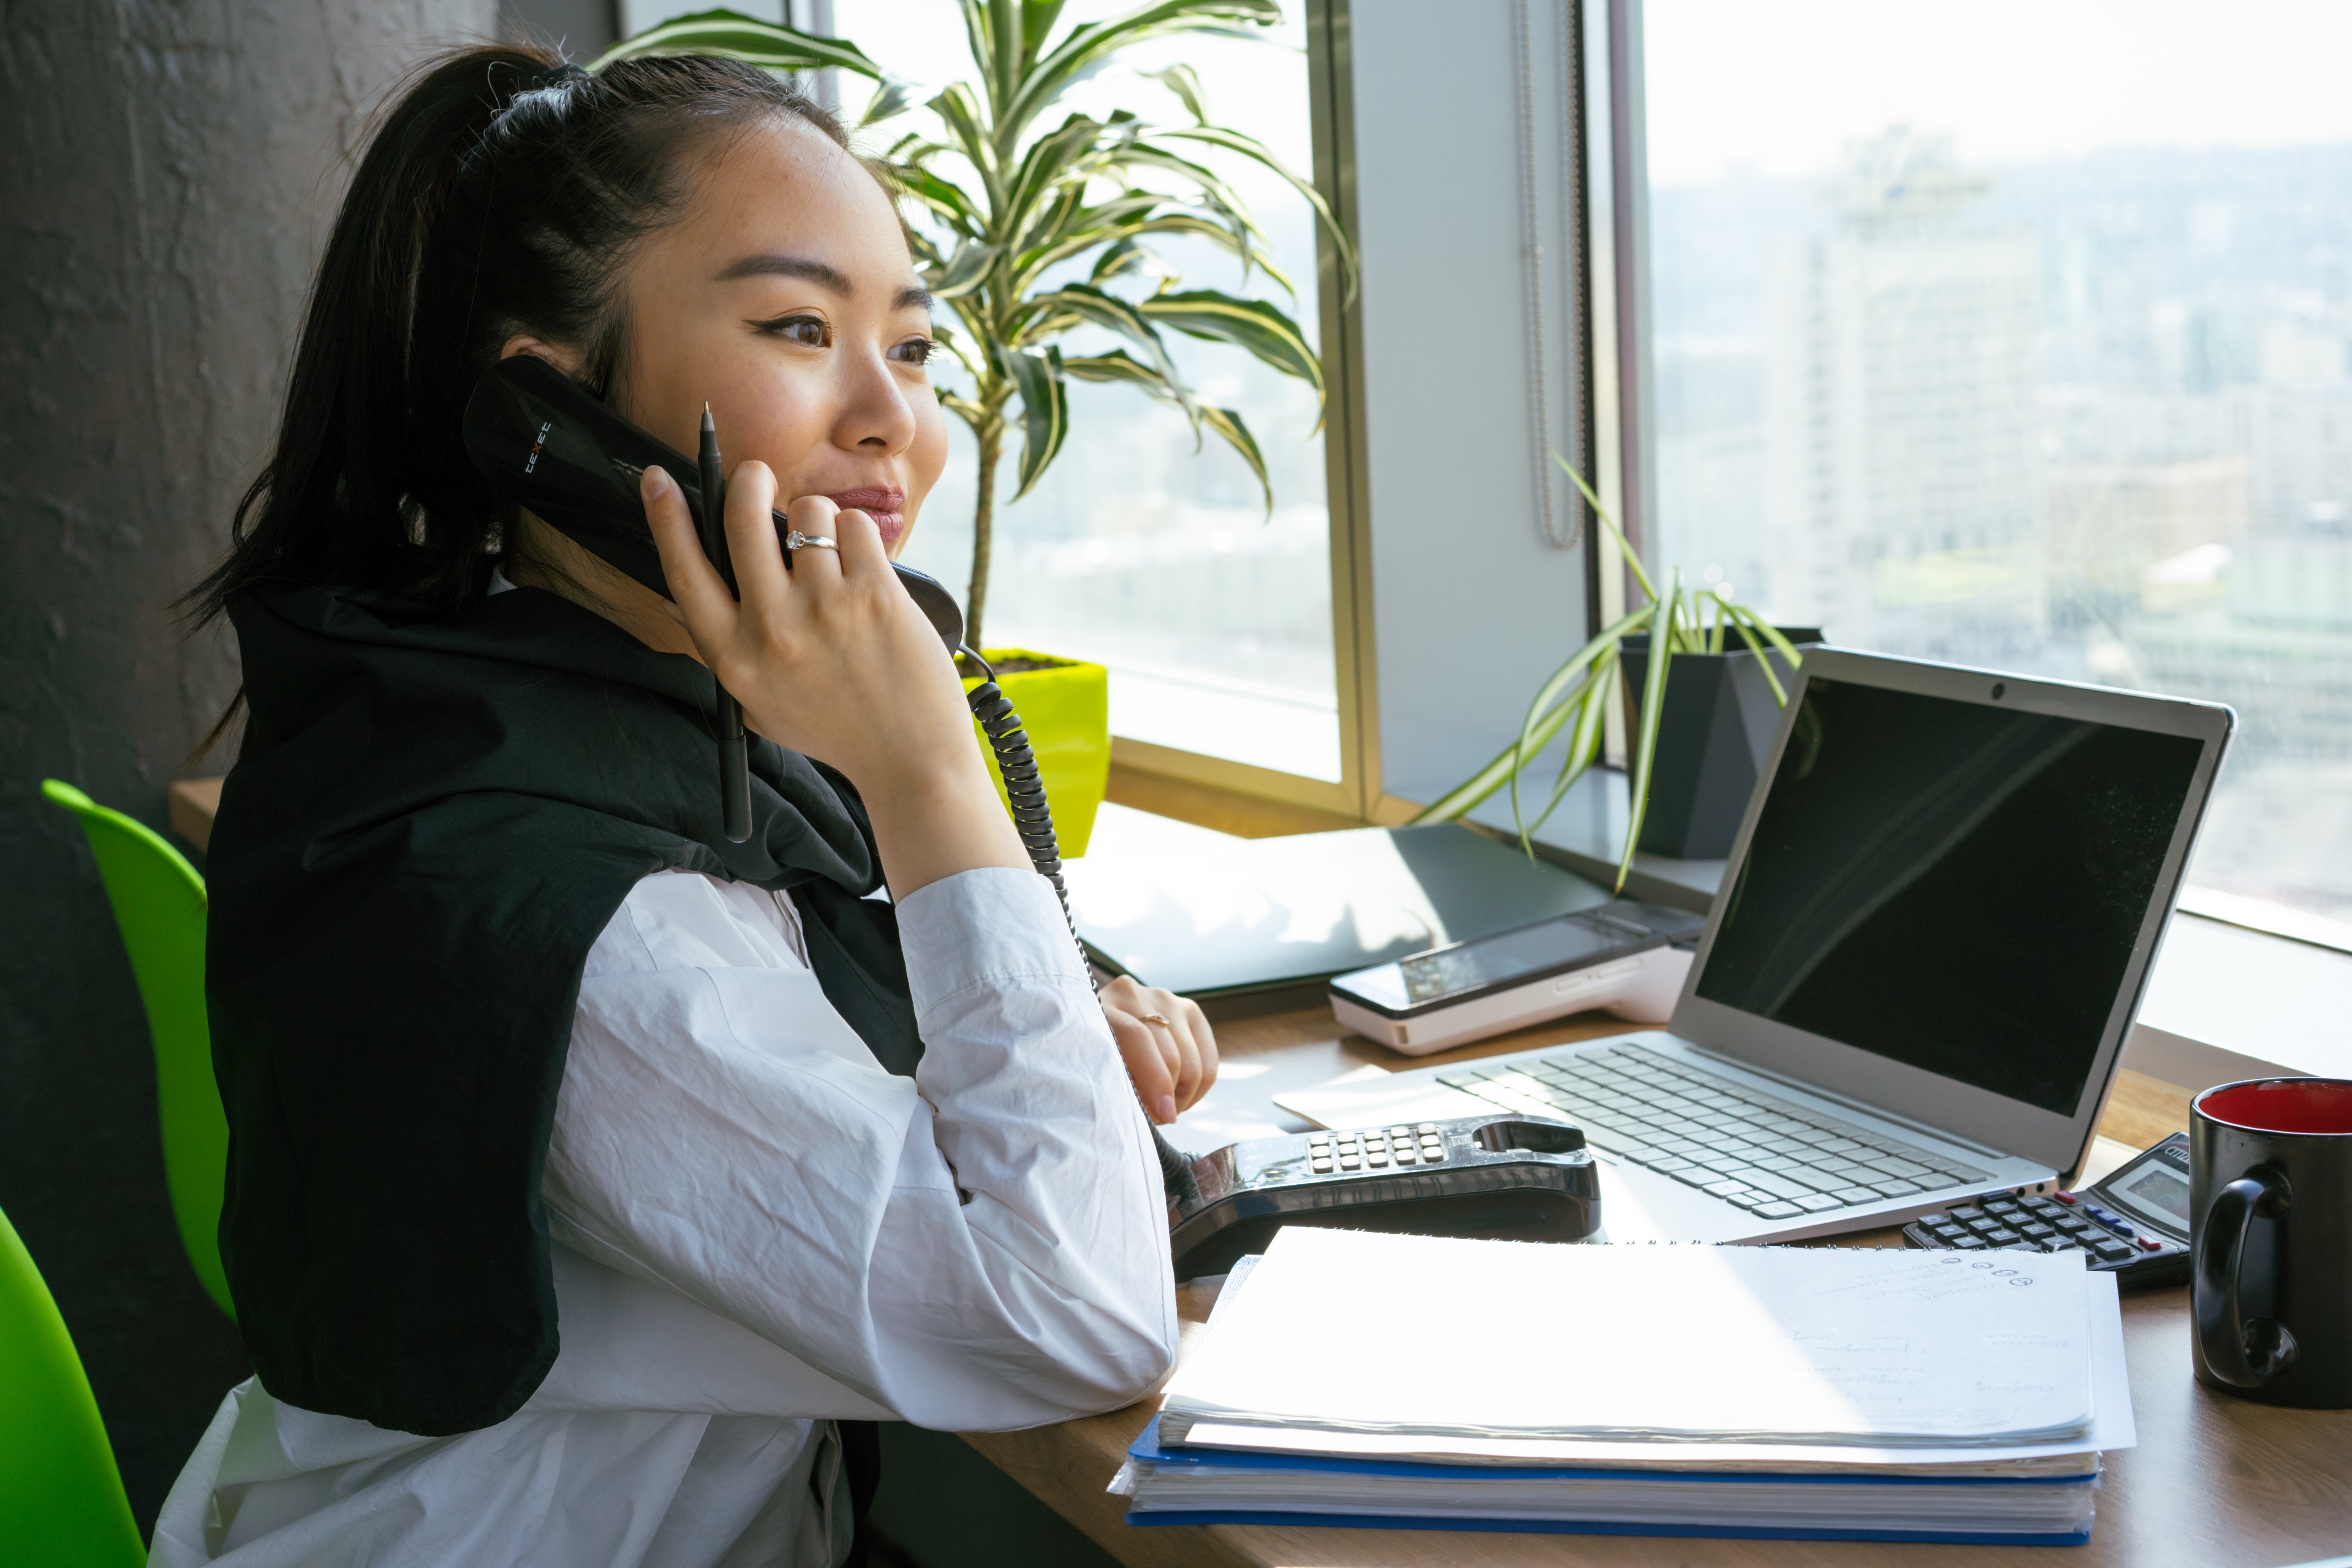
751	542
1150	1063
694	586
817	517
861	552
1194	1069
1181	1061
1206	1039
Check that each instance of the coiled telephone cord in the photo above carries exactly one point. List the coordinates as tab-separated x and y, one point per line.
1016	760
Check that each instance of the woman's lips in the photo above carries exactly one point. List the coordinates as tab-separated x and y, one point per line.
886	504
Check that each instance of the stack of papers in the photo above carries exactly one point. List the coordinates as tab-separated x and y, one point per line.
1874	1395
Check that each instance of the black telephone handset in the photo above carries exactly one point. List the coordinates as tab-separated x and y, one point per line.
546	442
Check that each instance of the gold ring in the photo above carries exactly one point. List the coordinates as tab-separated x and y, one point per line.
1156	1018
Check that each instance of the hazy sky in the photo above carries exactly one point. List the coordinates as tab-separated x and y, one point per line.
1779	86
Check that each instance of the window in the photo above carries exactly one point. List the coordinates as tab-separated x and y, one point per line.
2021	335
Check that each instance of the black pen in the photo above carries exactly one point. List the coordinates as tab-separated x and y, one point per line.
734	752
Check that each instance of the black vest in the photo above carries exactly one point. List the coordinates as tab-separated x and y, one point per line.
432	817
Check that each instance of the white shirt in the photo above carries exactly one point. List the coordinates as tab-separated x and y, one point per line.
759	1229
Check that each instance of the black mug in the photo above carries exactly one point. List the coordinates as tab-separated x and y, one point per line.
2270	1163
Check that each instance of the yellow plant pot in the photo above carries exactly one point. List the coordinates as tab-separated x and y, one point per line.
1066	709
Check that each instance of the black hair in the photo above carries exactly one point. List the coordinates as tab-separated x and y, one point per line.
498	195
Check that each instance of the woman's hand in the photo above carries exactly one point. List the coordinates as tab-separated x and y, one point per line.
1166	1043
833	660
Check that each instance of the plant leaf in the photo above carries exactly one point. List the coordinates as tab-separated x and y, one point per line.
1583	746
1185	83
963	408
1124	260
968	135
965	271
1227	422
1615	532
1044	413
1250	147
1087	46
738	37
1543	719
1041	176
1118	366
892	99
942	197
1038	19
1742	618
1252	324
1467	794
1645	748
1096	308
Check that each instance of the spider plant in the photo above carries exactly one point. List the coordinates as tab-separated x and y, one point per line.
1029	231
1575	697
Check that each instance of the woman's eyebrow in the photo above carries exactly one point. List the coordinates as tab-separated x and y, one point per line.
816	273
914	296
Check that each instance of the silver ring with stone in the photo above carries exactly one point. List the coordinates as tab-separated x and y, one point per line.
796	540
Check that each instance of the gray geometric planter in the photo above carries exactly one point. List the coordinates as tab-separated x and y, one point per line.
1717	724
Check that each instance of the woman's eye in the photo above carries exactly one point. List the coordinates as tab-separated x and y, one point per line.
808	331
914	351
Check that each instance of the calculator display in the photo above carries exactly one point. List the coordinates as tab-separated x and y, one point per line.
2161	1189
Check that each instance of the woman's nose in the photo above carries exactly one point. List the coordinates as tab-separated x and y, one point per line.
875	414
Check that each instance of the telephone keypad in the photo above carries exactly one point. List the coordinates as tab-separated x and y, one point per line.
1378	1150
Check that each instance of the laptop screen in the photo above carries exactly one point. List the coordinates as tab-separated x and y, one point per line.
1952	885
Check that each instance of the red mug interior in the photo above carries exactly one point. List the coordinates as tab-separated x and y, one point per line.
2283	1105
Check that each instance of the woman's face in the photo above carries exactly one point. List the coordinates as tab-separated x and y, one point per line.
785	298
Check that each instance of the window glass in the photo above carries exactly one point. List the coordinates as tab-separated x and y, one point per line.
1136	548
2017	334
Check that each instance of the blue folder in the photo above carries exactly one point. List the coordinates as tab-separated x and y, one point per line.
1147	1447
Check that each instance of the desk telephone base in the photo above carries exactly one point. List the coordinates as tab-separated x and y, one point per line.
1514	1178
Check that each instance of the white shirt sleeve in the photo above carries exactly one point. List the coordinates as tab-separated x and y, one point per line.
982	1247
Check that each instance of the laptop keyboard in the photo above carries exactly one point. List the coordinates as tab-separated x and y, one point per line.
1774	1158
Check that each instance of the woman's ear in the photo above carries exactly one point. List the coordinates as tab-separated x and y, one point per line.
562	359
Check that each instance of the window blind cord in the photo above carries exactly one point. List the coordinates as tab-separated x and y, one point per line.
1539	404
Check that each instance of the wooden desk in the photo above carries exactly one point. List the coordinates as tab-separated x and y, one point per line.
2214	1481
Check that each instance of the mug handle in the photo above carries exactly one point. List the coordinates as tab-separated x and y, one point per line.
2222	1326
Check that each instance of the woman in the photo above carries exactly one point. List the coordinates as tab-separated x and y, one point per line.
589	1171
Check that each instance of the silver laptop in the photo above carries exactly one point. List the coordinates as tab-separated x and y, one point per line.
1933	930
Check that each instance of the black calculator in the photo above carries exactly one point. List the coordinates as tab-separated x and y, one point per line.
2133	1224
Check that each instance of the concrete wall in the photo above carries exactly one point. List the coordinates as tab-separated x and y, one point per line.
167	173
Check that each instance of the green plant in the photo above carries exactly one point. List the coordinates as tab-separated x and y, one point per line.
1575	697
1011	209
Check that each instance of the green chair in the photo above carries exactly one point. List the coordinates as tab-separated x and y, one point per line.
158	906
61	1502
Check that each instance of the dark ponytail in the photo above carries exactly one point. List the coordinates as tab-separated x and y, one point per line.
499	196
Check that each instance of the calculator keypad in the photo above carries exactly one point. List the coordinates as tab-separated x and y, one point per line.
2038	1225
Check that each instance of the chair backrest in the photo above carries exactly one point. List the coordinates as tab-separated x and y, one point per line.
158	906
61	1498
